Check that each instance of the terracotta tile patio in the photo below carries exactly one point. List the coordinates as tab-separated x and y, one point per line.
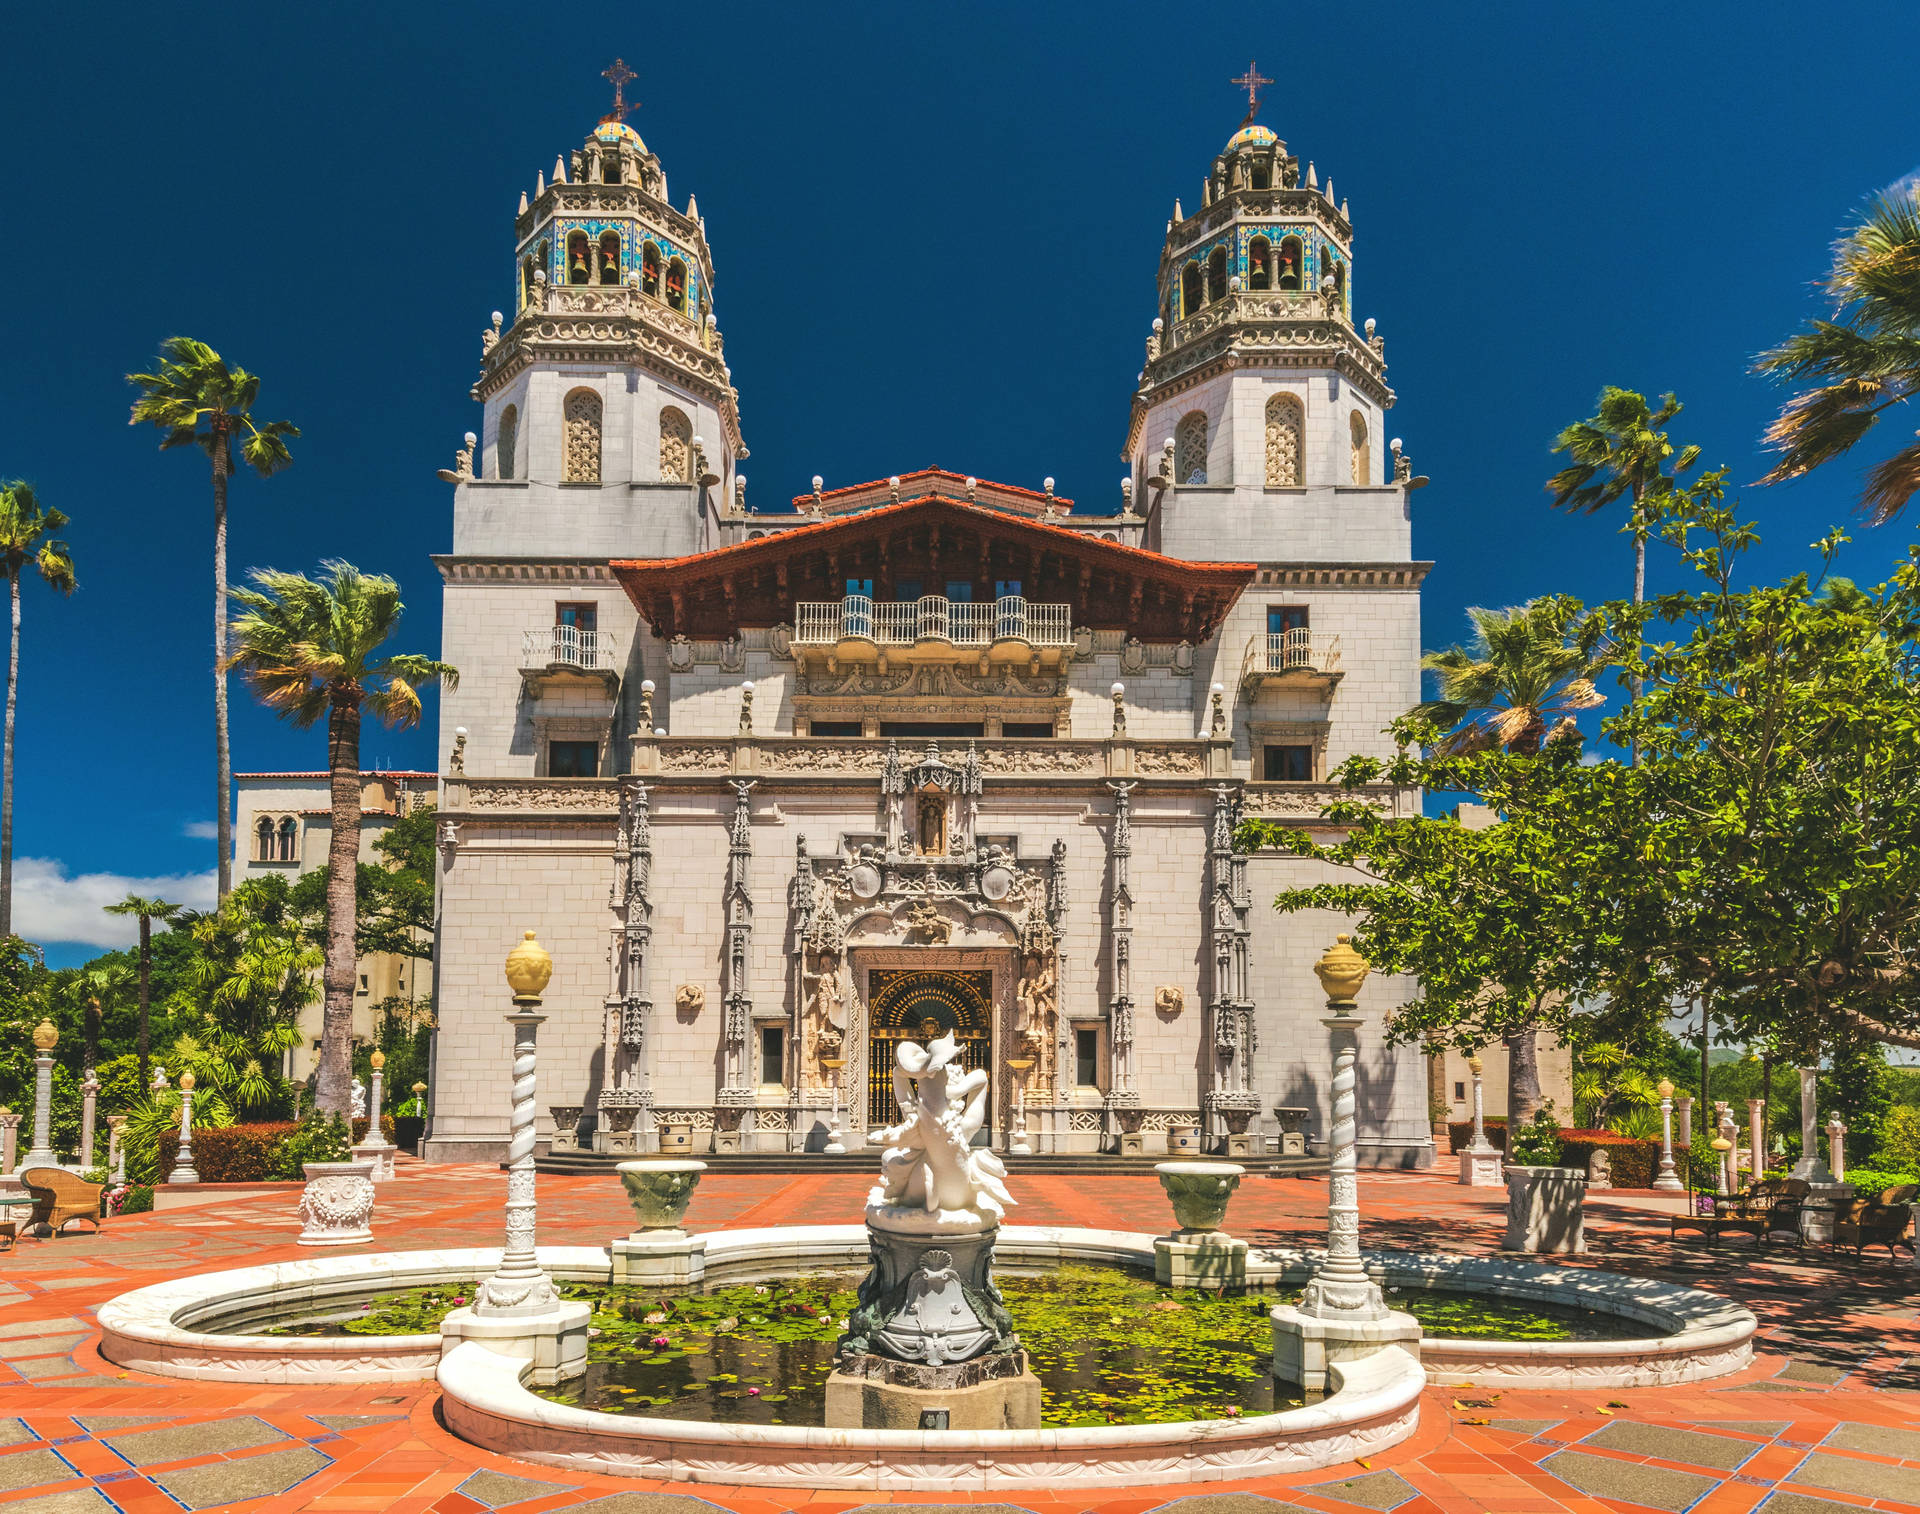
1826	1420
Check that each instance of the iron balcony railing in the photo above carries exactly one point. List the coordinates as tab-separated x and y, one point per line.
1294	651
933	617
566	647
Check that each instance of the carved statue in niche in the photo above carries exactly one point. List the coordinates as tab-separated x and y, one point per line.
924	920
931	823
1038	998
821	1034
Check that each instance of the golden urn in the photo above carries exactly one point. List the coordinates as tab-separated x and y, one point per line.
1666	1089
186	1082
1341	970
379	1059
528	969
45	1037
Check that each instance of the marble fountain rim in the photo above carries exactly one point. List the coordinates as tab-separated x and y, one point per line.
154	1328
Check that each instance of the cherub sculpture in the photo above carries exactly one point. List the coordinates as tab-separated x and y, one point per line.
930	1161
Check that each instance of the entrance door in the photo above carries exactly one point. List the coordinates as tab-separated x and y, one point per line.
908	1004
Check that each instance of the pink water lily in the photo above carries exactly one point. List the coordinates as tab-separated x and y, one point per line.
661	1340
753	1393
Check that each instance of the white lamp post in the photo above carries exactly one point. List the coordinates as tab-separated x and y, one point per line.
183	1164
835	1147
1668	1180
1019	1146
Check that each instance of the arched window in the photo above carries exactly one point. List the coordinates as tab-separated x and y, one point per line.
1339	285
526	283
263	840
1292	263
610	168
1262	176
1260	264
610	257
677	284
1189	289
1190	449
579	269
676	446
1216	275
503	459
287	831
1286	430
650	271
580	459
1362	453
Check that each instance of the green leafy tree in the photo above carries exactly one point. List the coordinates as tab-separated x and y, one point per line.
1520	678
393	897
198	400
1861	363
311	649
1622	452
146	911
29	543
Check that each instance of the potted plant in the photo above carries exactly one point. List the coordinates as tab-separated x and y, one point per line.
1545	1201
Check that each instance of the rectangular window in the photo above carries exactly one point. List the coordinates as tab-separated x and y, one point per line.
905	589
1026	728
860	586
1086	1056
573	759
926	728
960	590
1006	587
834	727
582	617
1288	764
1286	618
1459	1090
773	1054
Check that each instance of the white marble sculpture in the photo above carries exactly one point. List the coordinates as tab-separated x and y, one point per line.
359	1095
931	1167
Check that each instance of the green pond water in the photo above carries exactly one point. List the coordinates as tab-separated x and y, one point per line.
1109	1346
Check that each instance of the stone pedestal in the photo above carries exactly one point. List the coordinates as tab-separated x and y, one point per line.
1546	1210
336	1206
1293	1129
1817	1212
995	1392
1483	1167
566	1127
1305	1345
379	1160
1133	1143
1199	1259
555	1341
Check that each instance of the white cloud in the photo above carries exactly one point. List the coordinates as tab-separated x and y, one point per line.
51	905
201	830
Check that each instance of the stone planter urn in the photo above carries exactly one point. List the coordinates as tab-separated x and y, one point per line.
336	1206
1546	1210
1183	1139
660	1188
659	1253
1200	1254
566	1126
1130	1119
676	1137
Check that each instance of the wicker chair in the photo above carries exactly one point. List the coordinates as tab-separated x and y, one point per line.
1879	1221
60	1197
1770	1207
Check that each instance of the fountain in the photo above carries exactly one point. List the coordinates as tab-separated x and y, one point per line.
931	1345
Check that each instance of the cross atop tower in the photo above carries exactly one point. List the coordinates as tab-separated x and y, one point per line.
1251	81
620	76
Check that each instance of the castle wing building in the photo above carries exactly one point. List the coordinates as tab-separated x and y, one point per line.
780	788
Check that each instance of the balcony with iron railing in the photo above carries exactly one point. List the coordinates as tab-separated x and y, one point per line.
1295	655
558	653
933	626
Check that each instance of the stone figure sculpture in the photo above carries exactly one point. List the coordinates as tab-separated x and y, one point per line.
358	1107
691	997
924	920
931	1166
1169	998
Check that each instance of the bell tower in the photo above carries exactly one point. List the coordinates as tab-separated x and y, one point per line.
1261	404
612	374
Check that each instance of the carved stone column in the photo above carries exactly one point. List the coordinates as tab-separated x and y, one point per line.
1120	1089
89	1095
520	1286
625	1121
737	998
45	1038
1062	1120
1230	1100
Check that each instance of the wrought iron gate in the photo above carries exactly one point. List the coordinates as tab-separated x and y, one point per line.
909	1004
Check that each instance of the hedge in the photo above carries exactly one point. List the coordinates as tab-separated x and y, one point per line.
386	1128
230	1153
1634	1163
1460	1134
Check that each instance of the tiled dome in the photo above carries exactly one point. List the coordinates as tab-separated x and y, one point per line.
619	131
1251	136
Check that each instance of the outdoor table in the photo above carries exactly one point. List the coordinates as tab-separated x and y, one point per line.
9	1225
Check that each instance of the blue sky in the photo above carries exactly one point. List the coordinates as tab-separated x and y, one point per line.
935	230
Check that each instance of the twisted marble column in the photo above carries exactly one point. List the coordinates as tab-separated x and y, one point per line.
519	1287
1341	1288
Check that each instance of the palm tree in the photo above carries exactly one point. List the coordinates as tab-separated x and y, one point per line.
311	648
147	911
1863	361
1517	685
27	544
197	400
1619	451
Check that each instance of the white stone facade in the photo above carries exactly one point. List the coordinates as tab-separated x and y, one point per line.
701	857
